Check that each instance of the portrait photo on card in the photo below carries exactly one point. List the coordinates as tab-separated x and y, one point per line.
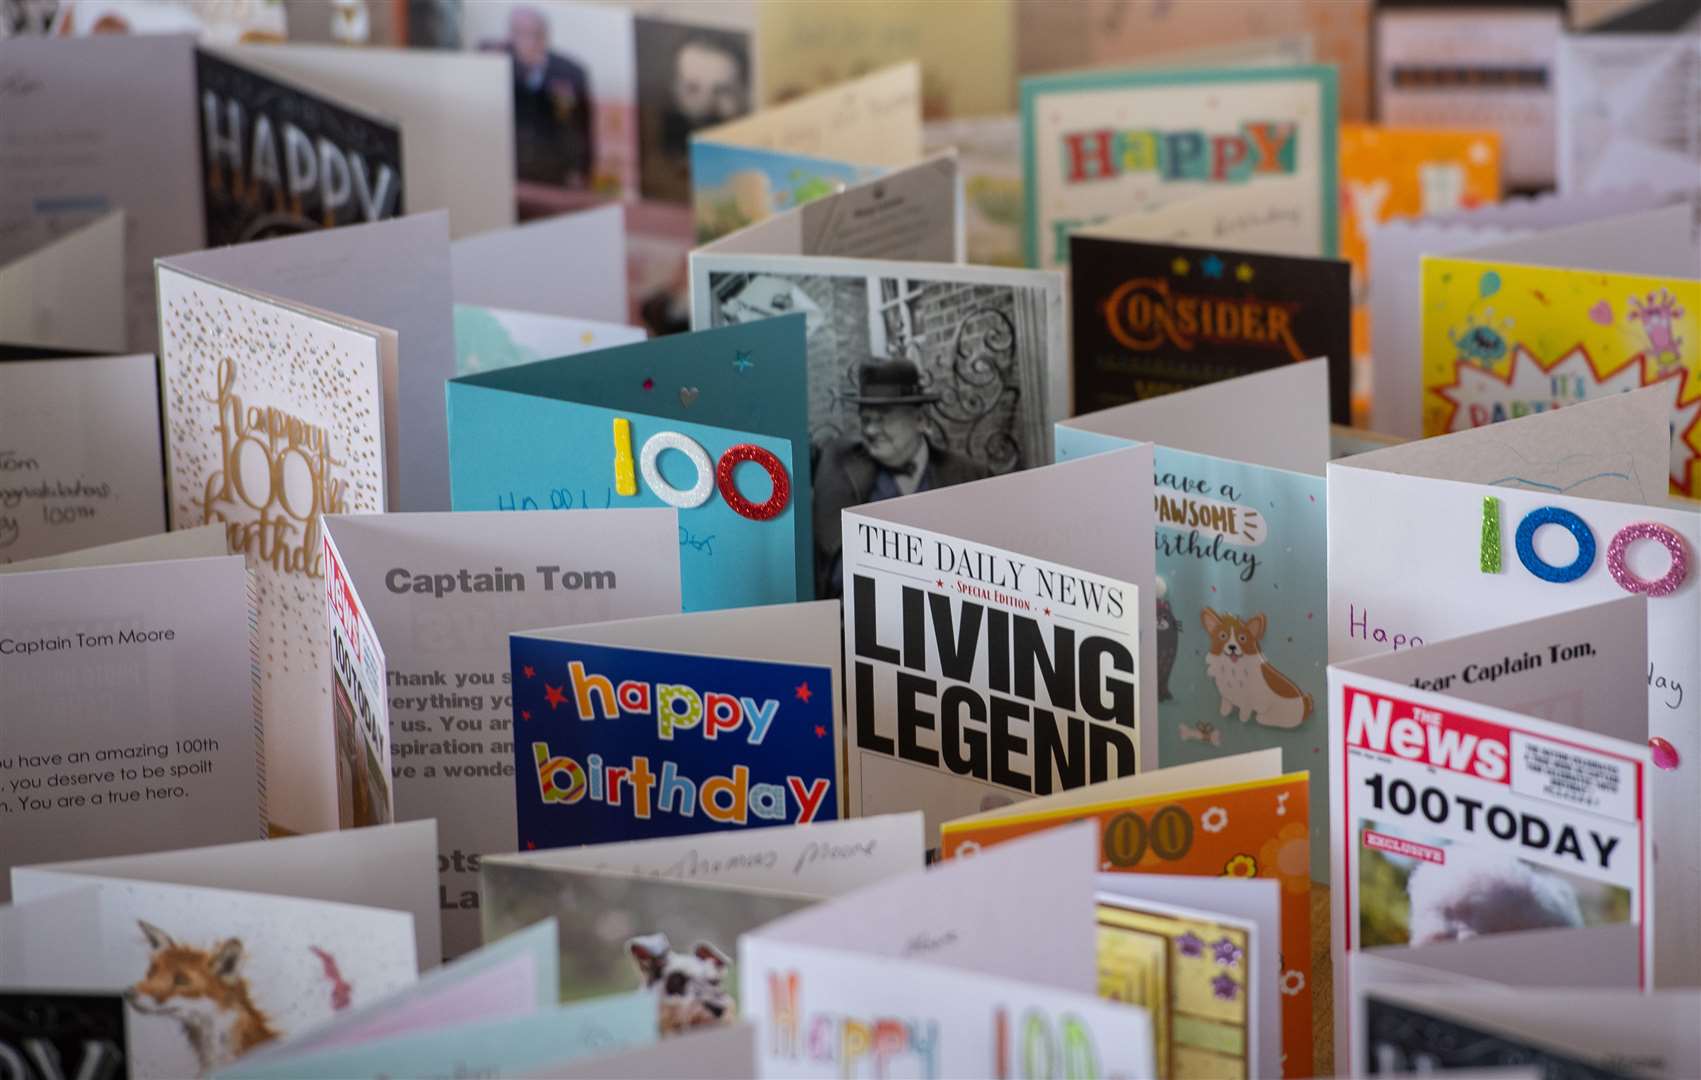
689	78
913	385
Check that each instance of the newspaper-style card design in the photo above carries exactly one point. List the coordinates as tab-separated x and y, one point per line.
80	458
1527	519
965	988
132	717
1511	764
677	724
786	155
442	592
1100	143
991	656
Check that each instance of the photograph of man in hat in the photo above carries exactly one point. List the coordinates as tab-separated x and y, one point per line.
892	456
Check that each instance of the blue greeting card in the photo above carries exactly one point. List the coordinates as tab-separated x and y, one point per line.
614	742
714	424
734	186
1242	630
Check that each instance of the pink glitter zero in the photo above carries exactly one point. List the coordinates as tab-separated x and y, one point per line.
1648	530
1665	754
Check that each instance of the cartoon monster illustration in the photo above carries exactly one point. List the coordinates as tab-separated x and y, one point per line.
203	990
1657	315
1248	682
1169	642
1481	342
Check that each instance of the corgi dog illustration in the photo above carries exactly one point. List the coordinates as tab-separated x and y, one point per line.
688	986
1248	682
203	990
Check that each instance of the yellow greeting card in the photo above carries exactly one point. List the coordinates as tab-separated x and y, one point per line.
1502	340
1394	172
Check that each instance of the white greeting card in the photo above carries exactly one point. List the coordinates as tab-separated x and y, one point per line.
1626	111
571	265
69	294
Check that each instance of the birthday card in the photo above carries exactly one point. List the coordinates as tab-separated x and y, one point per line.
713	425
781	157
1102	143
677	724
487	338
1512	523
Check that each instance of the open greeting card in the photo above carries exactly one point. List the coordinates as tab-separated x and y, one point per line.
1493	783
781	157
1101	143
1239	611
223	950
677	724
570	265
1513	523
80	456
69	293
1625	108
487	338
1563	316
1398	249
666	915
917	975
441	593
595	432
1154	318
132	721
1239	817
993	656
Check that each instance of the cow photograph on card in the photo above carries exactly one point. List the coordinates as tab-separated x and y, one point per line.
713	425
993	657
677	724
923	372
1242	593
1106	142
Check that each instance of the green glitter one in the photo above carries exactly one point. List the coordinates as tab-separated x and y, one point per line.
1490	535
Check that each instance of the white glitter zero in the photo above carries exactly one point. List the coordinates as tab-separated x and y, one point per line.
666	492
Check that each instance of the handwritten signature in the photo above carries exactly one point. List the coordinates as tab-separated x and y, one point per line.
698	543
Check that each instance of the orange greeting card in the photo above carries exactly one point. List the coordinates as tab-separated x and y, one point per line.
1392	172
1231	817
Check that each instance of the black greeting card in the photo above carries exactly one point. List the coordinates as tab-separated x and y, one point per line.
277	160
1151	319
46	1036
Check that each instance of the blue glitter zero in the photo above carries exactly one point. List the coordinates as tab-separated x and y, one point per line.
1571	523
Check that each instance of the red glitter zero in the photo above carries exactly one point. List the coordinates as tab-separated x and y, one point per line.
1666	538
770	464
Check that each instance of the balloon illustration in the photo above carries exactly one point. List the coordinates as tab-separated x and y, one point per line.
1489	284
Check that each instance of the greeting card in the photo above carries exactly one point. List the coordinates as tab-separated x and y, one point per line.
274	415
1576	313
1236	817
665	916
223	950
989	155
1239	610
1106	142
69	293
1626	111
1151	319
781	157
570	265
360	701
442	593
80	460
595	431
487	338
727	1052
1203	958
677	724
923	373
1397	250
278	159
1528	519
132	721
82	1033
918	975
1510	763
994	657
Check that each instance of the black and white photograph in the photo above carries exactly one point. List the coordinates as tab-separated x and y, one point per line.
913	384
689	78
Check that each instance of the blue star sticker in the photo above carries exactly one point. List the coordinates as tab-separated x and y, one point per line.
743	363
1212	267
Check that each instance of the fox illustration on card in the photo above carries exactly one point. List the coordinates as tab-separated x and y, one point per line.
205	991
1247	682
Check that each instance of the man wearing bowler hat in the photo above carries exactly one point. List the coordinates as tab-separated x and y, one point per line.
891	457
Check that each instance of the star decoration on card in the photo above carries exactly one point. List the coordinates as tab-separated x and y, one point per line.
1179	267
525	714
529	670
587	337
820	731
803	693
743	362
531	845
1212	267
554	696
1243	272
939	582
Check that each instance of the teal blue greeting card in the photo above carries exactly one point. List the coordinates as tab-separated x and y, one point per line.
1242	631
714	424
